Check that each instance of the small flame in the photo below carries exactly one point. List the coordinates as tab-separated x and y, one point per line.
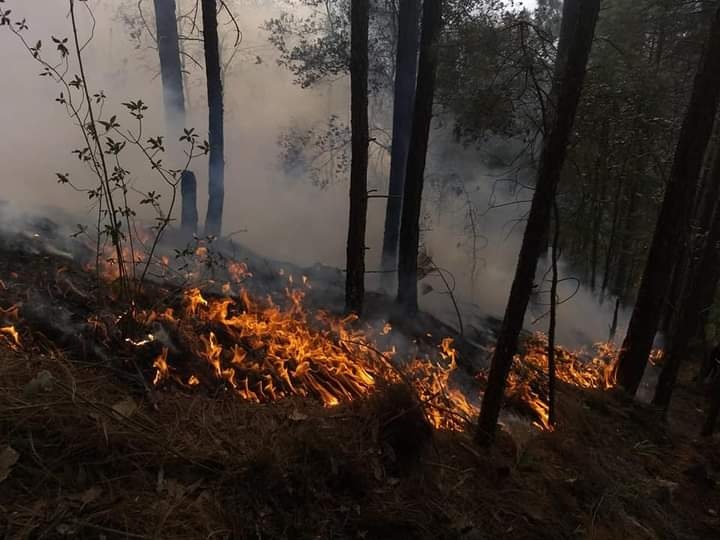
161	367
12	333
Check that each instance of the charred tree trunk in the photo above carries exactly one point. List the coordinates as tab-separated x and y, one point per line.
405	77
355	278
414	179
701	294
674	218
576	36
174	100
216	184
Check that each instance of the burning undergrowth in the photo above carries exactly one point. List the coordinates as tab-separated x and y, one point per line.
207	325
220	336
162	412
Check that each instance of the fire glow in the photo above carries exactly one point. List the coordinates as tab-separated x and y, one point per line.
267	348
263	350
8	331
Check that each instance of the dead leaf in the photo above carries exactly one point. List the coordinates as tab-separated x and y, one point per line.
125	408
8	458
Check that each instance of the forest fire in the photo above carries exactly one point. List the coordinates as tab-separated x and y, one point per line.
267	349
264	352
263	349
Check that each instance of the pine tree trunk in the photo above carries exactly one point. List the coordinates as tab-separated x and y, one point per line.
403	104
674	219
702	291
174	100
414	179
706	282
355	278
216	185
576	36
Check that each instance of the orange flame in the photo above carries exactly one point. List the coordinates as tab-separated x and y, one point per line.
13	335
161	366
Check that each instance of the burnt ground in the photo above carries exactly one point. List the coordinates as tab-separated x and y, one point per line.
87	452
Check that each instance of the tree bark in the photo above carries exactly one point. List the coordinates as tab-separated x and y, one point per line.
174	100
702	291
403	104
355	278
674	219
216	184
412	192
576	36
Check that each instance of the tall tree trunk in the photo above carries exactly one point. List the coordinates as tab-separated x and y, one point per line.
691	255
674	219
355	278
405	77
576	36
174	100
412	191
702	286
702	291
216	185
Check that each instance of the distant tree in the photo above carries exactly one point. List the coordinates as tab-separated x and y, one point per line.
355	278
403	105
213	70
675	214
412	193
174	97
576	37
627	127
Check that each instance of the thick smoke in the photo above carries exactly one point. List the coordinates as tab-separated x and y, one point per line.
279	216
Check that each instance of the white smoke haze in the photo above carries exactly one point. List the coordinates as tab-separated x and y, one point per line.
281	217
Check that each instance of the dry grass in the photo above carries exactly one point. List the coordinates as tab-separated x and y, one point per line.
96	460
101	456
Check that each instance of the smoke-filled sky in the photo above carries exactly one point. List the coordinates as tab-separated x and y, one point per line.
279	216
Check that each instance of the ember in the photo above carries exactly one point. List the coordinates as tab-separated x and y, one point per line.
8	330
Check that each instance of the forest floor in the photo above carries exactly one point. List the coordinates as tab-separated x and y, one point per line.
86	453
